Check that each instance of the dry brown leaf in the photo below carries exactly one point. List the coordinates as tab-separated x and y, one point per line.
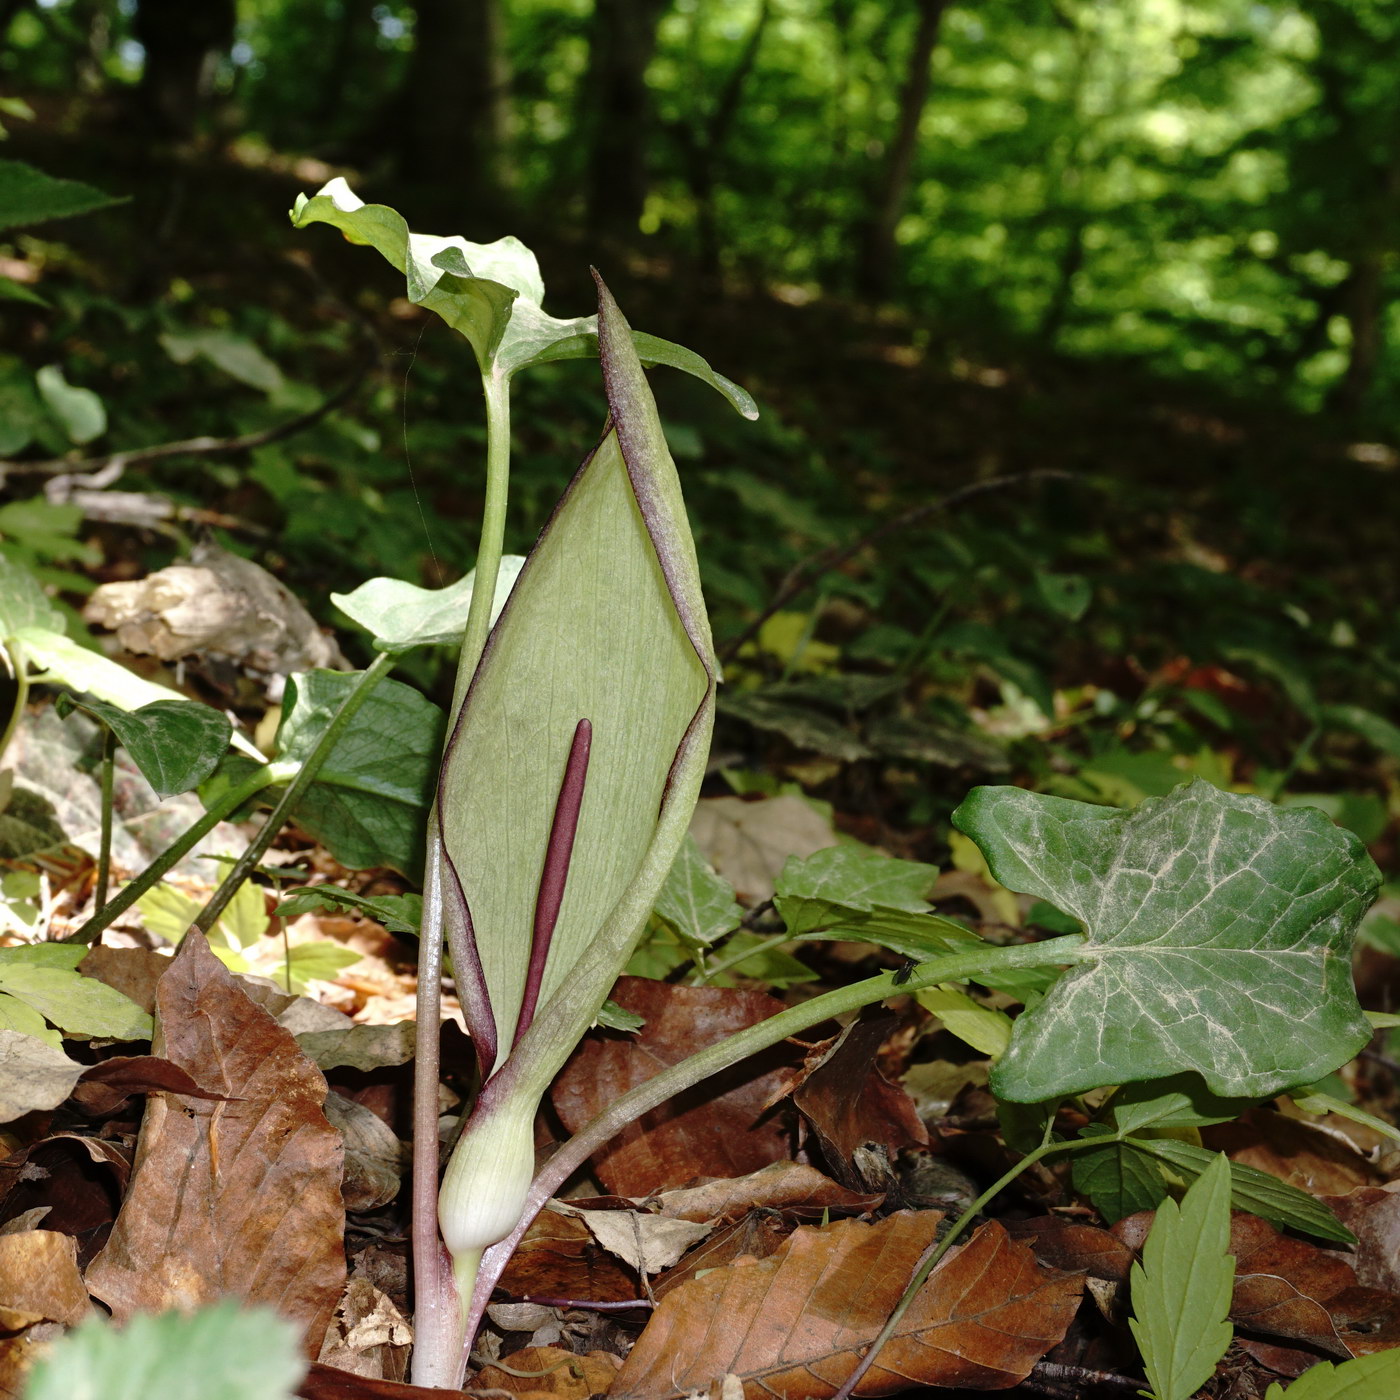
369	1335
106	1086
559	1258
785	1186
792	1326
1073	1246
374	1157
324	1382
759	1234
1372	1213
558	1374
234	1199
56	1175
644	1242
1296	1152
132	971
850	1104
39	1280
717	1128
749	842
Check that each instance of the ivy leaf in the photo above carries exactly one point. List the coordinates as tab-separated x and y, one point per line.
695	903
176	744
827	888
1181	1289
1219	933
401	615
491	292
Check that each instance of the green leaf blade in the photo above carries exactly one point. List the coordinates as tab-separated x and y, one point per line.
176	744
28	196
1219	937
1181	1289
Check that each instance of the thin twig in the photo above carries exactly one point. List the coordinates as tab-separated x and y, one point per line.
1084	1375
807	571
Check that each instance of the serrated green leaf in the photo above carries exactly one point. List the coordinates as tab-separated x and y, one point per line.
1373	1377
1127	1175
824	889
28	196
1219	938
399	913
321	961
695	903
17	1015
1326	1103
401	615
491	292
223	1352
369	803
176	744
982	1027
74	1003
1181	1289
78	411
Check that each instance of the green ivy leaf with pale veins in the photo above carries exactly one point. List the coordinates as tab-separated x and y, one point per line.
1219	932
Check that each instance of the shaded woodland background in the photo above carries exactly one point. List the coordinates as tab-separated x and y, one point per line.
1148	248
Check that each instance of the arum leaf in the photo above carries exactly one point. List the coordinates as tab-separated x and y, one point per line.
59	660
613	586
1181	1289
401	615
369	799
491	292
1219	936
795	1323
176	744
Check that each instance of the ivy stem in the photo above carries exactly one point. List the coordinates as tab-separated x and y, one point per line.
296	789
439	1304
169	858
20	670
104	840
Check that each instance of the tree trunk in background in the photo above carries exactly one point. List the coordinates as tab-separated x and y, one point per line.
456	101
181	41
705	148
617	111
878	251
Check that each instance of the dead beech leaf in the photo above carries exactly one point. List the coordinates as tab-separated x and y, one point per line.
647	1243
374	1157
717	1128
559	1258
1299	1153
324	1382
56	1175
369	1335
749	842
106	1086
39	1280
557	1374
1073	1246
234	1199
850	1104
758	1234
1372	1213
785	1186
792	1326
32	1075
132	971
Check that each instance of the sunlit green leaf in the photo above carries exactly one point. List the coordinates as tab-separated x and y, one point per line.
236	355
28	196
399	913
1219	938
78	411
401	615
1373	1377
697	904
824	889
74	1003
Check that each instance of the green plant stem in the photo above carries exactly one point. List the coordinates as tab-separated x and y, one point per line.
953	967
718	969
1297	760
496	388
20	670
440	1301
296	789
104	843
172	856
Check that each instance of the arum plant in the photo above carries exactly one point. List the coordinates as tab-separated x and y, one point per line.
579	734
